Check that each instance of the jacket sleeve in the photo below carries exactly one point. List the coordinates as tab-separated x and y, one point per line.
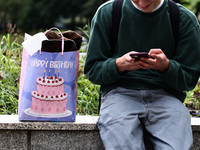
100	66
184	68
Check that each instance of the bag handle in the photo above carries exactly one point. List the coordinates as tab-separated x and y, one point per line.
61	36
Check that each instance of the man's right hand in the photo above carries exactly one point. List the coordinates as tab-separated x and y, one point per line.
126	63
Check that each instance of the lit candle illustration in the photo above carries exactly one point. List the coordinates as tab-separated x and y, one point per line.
49	72
55	74
44	73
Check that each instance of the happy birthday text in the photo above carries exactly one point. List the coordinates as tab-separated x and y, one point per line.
52	64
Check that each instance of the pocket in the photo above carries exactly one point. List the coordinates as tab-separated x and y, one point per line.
110	93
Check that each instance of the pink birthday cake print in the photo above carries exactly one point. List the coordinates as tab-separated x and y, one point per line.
49	99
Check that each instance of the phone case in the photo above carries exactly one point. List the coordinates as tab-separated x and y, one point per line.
137	56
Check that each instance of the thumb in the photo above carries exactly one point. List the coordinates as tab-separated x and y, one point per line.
154	56
155	51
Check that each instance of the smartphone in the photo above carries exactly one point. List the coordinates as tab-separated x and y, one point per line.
137	56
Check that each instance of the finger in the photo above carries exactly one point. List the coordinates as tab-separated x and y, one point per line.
149	61
155	51
155	56
129	59
144	64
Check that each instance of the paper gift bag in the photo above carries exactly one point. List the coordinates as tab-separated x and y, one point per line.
48	83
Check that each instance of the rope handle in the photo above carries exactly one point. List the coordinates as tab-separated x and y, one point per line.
61	36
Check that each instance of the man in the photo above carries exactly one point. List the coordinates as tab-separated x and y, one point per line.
146	93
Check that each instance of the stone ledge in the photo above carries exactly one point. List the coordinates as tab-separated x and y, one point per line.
195	123
11	122
82	134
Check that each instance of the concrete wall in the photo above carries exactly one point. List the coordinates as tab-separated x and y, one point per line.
80	135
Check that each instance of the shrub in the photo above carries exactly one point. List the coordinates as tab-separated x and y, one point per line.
10	62
88	94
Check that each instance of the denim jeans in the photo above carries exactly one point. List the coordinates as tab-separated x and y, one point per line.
125	113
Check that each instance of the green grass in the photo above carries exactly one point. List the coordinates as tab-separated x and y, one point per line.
88	94
10	62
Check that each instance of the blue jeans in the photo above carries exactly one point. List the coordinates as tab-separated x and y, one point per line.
125	113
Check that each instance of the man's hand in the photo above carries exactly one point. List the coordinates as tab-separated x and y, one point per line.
160	61
126	63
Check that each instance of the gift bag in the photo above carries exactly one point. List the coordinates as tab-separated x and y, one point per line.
48	81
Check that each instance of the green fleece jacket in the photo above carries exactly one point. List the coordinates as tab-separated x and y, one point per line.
141	32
